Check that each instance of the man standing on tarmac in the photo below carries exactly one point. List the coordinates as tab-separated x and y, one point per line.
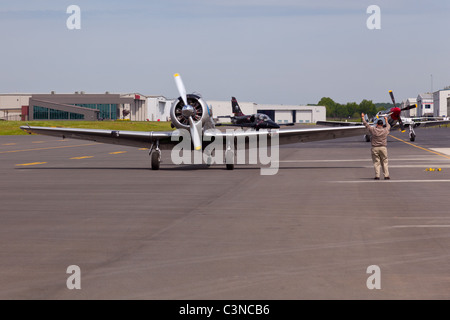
379	146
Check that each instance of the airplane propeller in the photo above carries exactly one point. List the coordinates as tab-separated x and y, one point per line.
400	122
188	111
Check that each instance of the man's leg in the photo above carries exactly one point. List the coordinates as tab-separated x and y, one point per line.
384	160
376	161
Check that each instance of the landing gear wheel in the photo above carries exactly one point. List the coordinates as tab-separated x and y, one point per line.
412	137
229	159
367	138
230	166
156	160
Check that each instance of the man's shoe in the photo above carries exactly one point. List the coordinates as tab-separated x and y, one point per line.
387	178
376	178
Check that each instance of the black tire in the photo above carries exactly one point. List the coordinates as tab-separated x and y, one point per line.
367	137
229	159
412	138
156	160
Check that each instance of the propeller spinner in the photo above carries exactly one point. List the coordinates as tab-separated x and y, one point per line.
188	112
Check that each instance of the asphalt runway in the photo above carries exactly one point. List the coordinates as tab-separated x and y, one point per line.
191	232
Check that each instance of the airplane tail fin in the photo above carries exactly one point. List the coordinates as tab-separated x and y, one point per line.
235	107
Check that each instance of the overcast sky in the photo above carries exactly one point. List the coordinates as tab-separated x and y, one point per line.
263	51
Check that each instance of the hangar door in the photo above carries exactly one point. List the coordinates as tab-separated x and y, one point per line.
303	116
448	108
283	116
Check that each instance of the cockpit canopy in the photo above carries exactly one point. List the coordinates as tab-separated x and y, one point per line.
262	117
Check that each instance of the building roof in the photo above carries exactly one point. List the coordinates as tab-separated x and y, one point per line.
425	96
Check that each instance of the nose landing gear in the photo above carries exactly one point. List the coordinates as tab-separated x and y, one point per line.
155	155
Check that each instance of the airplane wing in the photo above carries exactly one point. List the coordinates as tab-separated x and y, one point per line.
290	136
426	123
353	124
234	125
339	123
140	139
431	123
144	139
247	125
396	125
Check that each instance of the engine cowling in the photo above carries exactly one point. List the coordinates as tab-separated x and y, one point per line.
395	113
201	111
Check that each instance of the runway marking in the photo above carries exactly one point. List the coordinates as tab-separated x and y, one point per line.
425	149
117	152
30	164
445	151
8	144
390	181
38	141
78	158
143	149
48	148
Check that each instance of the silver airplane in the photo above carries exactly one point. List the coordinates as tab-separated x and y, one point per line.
191	112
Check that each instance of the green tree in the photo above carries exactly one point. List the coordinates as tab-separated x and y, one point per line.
368	107
330	106
341	111
352	109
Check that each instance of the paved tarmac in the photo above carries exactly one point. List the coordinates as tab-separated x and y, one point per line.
191	232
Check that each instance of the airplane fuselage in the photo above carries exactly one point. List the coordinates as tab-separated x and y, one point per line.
257	120
392	114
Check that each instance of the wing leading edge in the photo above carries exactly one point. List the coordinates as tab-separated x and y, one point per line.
140	139
431	123
145	139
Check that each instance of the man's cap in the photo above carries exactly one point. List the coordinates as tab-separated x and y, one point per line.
380	122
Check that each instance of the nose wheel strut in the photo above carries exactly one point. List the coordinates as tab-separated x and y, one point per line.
412	134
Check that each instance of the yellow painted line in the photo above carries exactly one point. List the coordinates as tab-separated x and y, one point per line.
30	164
143	149
117	152
48	148
38	141
78	158
421	148
9	144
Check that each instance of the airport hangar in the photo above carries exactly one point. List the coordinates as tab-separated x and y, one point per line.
134	107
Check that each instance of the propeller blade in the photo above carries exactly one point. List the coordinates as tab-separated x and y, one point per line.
409	107
181	88
196	140
392	97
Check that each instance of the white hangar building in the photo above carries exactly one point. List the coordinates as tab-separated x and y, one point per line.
159	110
441	101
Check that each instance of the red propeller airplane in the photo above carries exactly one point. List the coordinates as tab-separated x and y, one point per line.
394	118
